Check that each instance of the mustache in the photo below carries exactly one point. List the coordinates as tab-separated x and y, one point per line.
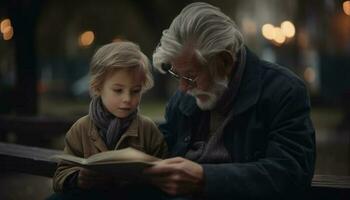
218	87
197	92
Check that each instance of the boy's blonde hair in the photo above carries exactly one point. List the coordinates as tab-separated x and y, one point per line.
118	55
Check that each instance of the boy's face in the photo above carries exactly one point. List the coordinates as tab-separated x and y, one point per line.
121	92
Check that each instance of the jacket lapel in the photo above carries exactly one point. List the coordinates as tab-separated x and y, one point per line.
188	105
130	132
101	145
250	87
97	140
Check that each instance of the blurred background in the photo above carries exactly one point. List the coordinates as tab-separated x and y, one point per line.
46	46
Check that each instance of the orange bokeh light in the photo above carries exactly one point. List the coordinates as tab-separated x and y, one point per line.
86	38
346	7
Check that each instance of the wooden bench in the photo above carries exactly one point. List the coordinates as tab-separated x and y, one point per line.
27	159
36	161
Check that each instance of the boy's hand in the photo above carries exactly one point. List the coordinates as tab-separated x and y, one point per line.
88	179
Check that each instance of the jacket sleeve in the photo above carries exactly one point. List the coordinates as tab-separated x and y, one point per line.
288	165
157	144
73	147
168	127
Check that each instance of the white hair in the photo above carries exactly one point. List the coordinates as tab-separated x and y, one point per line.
118	55
203	26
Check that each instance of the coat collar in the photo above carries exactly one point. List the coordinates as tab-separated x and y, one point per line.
250	88
248	93
101	145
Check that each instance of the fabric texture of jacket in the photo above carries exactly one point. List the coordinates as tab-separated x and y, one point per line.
83	140
270	137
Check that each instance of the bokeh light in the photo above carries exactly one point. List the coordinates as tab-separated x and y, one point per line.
8	33
309	75
346	7
86	38
249	26
288	29
268	31
280	38
4	24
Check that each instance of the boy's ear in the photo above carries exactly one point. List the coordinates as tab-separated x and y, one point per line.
97	91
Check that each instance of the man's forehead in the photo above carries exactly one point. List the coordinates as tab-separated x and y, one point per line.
186	60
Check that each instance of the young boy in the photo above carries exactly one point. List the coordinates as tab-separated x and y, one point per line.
120	74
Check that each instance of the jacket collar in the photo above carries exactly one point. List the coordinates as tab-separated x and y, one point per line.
248	93
101	145
188	105
250	87
132	131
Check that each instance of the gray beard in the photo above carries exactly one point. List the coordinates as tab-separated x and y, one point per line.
214	94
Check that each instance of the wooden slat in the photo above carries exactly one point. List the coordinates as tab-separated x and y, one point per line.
331	181
26	159
325	187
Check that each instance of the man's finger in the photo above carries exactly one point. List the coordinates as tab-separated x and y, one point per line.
171	160
165	166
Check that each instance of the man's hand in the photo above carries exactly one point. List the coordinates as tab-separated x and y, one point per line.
88	179
177	176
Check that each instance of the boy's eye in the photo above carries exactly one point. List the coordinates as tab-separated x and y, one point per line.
137	91
118	91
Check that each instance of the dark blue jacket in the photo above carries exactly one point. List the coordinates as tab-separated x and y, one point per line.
270	138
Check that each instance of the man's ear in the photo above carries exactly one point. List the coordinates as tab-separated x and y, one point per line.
225	63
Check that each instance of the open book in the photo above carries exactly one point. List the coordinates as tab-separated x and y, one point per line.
125	163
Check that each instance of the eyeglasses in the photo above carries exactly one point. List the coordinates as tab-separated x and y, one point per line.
189	81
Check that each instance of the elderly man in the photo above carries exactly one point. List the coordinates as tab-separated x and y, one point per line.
238	127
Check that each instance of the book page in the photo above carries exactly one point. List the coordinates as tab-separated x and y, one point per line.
70	158
126	164
123	155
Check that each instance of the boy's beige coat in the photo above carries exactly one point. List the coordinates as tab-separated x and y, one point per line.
83	140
